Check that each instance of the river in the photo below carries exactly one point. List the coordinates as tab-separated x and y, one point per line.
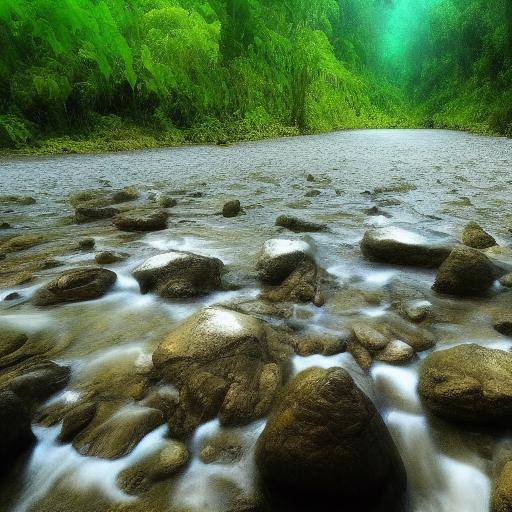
431	179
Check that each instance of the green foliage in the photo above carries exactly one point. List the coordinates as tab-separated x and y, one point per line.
171	71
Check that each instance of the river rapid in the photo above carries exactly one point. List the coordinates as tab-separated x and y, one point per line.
431	179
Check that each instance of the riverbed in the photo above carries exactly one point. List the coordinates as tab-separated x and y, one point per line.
429	179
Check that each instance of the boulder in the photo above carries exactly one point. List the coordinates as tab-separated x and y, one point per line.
407	246
280	257
155	467
15	429
396	352
109	257
466	272
85	214
223	363
475	236
86	244
167	202
231	208
369	337
299	225
38	382
119	434
76	420
468	384
501	498
417	310
125	195
179	274
141	220
75	285
324	442
502	322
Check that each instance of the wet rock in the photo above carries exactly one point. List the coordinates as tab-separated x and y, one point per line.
417	310
141	220
503	323
15	429
179	274
501	498
118	435
39	382
396	352
406	246
506	281
22	242
466	272
280	257
375	210
501	258
468	384
76	420
231	208
155	467
310	177
327	346
418	338
361	355
225	447
21	200
5	225
299	225
167	202
75	285
109	257
475	236
89	199
312	193
224	363
12	296
2	256
368	337
86	244
11	340
85	214
125	195
325	442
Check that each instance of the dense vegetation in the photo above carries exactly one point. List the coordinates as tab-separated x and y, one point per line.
100	74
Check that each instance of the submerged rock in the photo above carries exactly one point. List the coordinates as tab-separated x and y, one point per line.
109	257
475	236
407	246
141	220
85	214
299	225
466	272
280	257
118	435
224	363
179	274
155	467
231	208
75	285
15	429
21	200
468	384
325	442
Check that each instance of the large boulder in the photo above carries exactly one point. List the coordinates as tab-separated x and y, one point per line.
468	384
280	257
466	272
407	246
178	274
141	220
224	363
475	236
299	225
325	442
75	285
15	429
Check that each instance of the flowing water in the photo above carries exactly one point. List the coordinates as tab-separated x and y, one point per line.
429	178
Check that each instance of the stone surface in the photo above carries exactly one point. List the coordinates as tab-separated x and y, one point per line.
475	236
325	442
223	363
125	195
85	214
280	257
407	246
501	498
396	352
141	220
231	208
468	384
299	225
75	285
15	430
76	420
466	272
506	281
369	337
179	274
86	243
109	257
